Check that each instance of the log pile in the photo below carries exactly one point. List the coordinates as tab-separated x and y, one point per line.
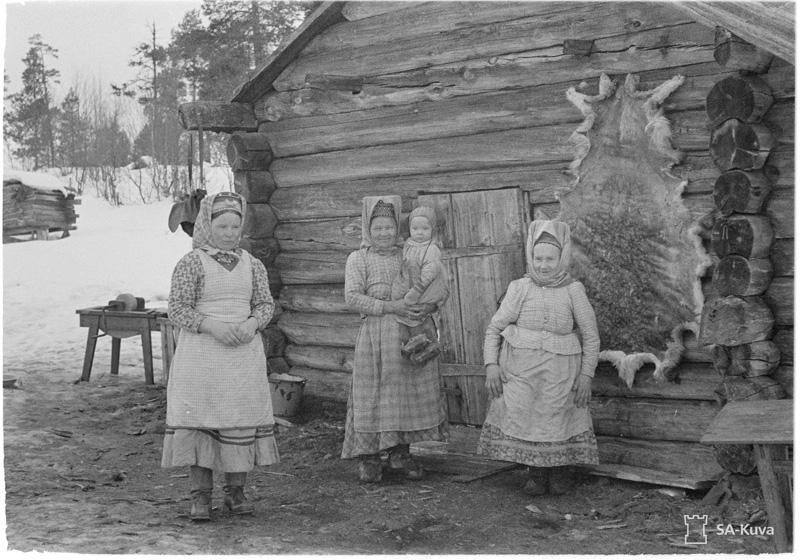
741	321
37	212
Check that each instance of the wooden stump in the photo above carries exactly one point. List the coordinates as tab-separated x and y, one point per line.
731	321
746	98
249	151
737	145
741	191
734	52
747	360
735	275
748	236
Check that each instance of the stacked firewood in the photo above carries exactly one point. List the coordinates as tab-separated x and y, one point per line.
27	210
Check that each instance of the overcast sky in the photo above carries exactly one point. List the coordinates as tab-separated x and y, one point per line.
94	39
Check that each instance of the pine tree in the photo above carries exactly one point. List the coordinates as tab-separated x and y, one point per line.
30	120
73	132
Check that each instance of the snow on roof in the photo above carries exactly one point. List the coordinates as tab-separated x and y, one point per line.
41	181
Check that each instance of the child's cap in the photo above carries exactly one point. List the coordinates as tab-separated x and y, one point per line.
424	212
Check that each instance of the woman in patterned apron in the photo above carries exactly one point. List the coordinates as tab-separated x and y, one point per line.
540	379
393	403
219	408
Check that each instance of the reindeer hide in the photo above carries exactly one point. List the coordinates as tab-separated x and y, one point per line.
635	247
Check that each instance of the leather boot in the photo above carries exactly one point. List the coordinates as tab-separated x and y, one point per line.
560	480
538	481
202	482
369	468
235	500
400	458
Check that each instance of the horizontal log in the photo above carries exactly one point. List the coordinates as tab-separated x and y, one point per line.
326	298
652	419
249	151
746	98
763	388
359	10
731	321
735	275
734	52
784	339
749	236
319	267
747	360
780	167
215	116
782	256
260	221
780	122
320	329
264	249
689	459
329	385
321	357
320	235
693	382
780	209
780	299
254	186
609	24
741	191
737	145
785	376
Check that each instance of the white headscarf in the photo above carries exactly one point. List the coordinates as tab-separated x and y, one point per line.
202	238
559	231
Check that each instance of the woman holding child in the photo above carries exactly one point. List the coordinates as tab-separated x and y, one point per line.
393	401
540	378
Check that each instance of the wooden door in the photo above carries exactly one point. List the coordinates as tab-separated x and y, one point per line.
483	238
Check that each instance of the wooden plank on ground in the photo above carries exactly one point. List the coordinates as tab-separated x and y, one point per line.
649	476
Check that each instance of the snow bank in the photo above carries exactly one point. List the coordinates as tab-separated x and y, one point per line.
41	181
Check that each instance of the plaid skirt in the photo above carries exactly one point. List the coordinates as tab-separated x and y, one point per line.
220	450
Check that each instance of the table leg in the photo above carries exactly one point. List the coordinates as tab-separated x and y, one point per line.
147	351
115	346
91	344
772	497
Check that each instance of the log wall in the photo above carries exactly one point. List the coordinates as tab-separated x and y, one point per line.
404	98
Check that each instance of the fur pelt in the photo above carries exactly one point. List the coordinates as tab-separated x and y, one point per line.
635	246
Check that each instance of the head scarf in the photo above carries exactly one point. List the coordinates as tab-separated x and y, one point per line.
214	205
546	231
368	206
429	214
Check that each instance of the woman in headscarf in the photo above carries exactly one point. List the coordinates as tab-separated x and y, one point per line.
539	379
219	408
393	403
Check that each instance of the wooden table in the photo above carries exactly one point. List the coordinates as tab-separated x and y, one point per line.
768	426
119	325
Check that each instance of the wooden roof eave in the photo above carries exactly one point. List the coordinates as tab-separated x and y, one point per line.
767	25
323	17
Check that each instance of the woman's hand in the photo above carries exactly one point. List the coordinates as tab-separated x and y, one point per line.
399	308
224	332
421	310
495	377
583	390
246	330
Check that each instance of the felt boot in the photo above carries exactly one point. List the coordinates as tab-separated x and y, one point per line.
538	481
415	344
400	458
235	500
424	356
560	480
369	468
202	482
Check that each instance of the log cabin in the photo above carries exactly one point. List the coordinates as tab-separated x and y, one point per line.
462	106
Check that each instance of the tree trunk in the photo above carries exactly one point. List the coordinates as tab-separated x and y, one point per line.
736	458
325	329
731	321
327	298
749	236
735	275
652	419
747	360
249	151
255	186
746	98
780	299
259	221
734	52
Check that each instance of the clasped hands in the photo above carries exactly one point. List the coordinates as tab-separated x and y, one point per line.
230	334
414	312
496	377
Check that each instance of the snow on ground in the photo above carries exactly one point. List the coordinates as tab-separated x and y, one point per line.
114	250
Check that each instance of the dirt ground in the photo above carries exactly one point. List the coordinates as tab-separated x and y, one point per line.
82	475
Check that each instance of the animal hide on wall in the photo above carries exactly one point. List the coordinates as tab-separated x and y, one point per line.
635	246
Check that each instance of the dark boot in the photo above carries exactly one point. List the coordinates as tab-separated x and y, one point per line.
538	481
235	500
560	480
400	458
202	482
369	468
415	344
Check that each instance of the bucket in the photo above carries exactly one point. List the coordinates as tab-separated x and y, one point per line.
287	392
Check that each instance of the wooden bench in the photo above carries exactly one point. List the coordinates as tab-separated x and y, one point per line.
768	426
